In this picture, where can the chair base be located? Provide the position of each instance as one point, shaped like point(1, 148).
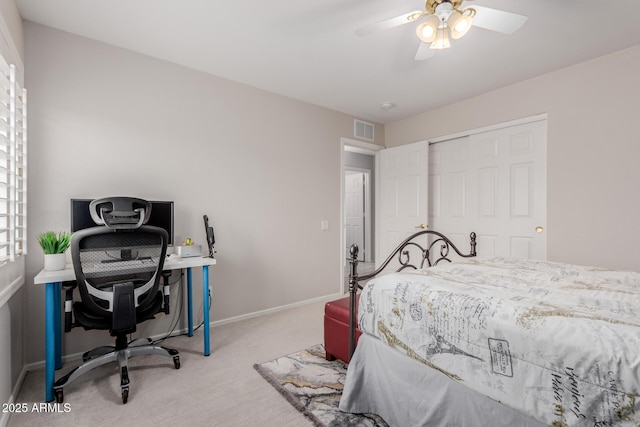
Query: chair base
point(105, 349)
point(103, 355)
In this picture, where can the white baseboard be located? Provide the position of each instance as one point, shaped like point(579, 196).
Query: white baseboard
point(77, 356)
point(276, 309)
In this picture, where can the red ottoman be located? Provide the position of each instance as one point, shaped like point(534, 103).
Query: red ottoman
point(336, 328)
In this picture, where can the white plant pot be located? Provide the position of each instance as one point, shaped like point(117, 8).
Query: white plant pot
point(53, 262)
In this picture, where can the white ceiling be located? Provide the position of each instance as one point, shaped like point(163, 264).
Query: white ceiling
point(309, 51)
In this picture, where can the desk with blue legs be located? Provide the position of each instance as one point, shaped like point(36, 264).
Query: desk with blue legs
point(53, 310)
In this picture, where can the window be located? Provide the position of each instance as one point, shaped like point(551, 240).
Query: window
point(13, 163)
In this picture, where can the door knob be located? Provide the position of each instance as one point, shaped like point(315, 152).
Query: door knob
point(539, 229)
point(421, 226)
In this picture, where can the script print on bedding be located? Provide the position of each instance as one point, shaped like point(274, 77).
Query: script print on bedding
point(558, 342)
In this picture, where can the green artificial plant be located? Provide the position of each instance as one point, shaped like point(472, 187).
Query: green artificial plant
point(54, 243)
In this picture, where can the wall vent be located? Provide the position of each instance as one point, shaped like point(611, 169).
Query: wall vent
point(363, 130)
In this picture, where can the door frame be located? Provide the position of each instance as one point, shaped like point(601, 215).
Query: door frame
point(501, 125)
point(347, 144)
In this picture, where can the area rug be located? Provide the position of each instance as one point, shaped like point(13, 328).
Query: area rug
point(313, 386)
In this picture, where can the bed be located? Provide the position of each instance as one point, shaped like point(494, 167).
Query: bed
point(493, 342)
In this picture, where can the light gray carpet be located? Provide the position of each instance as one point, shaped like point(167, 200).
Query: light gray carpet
point(314, 386)
point(222, 389)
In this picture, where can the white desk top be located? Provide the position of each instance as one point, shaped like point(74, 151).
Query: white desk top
point(170, 264)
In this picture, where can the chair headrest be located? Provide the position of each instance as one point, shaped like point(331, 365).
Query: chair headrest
point(120, 213)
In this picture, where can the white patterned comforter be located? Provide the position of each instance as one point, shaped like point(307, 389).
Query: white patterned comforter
point(558, 342)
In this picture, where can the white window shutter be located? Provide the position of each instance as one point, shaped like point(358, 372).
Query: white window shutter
point(13, 161)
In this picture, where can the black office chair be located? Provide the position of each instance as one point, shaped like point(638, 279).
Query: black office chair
point(118, 266)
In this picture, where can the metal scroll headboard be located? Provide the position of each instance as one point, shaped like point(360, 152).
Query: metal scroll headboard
point(441, 247)
point(441, 243)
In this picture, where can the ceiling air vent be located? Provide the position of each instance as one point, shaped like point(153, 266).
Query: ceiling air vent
point(363, 130)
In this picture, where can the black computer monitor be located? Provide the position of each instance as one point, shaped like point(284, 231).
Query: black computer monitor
point(161, 216)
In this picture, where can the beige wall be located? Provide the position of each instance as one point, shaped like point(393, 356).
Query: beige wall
point(593, 152)
point(263, 167)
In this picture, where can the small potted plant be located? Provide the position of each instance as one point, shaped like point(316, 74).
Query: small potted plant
point(54, 246)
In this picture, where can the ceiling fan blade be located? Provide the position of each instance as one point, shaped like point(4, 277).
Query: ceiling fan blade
point(498, 20)
point(388, 23)
point(424, 52)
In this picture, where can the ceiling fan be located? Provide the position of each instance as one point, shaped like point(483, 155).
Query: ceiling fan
point(444, 18)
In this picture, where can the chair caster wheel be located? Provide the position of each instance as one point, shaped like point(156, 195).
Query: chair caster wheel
point(59, 395)
point(176, 362)
point(125, 395)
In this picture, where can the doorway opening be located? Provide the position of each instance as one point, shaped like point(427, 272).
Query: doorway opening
point(357, 205)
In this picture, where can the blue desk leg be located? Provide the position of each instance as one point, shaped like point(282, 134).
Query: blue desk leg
point(189, 303)
point(205, 299)
point(57, 301)
point(52, 337)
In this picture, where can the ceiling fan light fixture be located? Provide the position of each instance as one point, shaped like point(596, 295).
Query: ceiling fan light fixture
point(427, 31)
point(442, 40)
point(443, 18)
point(459, 23)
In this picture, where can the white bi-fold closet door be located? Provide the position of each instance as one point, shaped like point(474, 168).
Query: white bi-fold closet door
point(495, 184)
point(491, 182)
